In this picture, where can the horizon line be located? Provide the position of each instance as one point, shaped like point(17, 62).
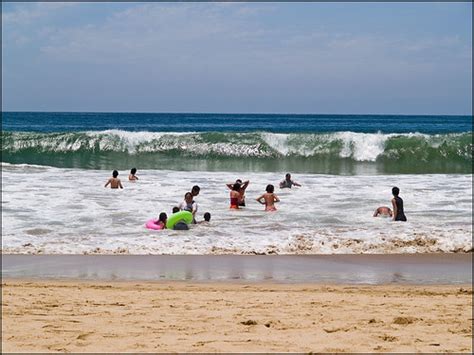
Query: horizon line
point(240, 113)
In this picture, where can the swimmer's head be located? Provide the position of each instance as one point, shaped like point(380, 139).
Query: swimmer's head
point(395, 191)
point(163, 217)
point(115, 173)
point(238, 181)
point(188, 197)
point(133, 171)
point(236, 187)
point(175, 209)
point(270, 188)
point(207, 216)
point(288, 176)
point(195, 190)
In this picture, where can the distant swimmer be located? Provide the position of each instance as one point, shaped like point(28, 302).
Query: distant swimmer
point(243, 187)
point(235, 196)
point(383, 211)
point(269, 199)
point(288, 183)
point(397, 204)
point(114, 181)
point(132, 176)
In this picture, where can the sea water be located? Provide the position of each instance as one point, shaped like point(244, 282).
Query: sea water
point(55, 165)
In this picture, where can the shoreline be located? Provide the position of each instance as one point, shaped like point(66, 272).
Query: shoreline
point(131, 316)
point(372, 269)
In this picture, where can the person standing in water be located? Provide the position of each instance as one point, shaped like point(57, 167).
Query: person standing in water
point(243, 187)
point(235, 196)
point(132, 176)
point(269, 199)
point(397, 204)
point(288, 183)
point(114, 182)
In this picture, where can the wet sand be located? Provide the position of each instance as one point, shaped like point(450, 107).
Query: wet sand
point(374, 269)
point(131, 316)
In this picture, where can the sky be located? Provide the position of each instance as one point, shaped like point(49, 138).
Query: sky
point(337, 58)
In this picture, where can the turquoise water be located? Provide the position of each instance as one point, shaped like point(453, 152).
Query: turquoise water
point(332, 144)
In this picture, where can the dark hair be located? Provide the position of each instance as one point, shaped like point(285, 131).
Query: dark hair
point(395, 191)
point(238, 181)
point(163, 217)
point(236, 187)
point(188, 193)
point(195, 189)
point(175, 209)
point(207, 216)
point(270, 188)
point(115, 173)
point(133, 171)
point(288, 175)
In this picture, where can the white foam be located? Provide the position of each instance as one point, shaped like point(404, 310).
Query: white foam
point(69, 211)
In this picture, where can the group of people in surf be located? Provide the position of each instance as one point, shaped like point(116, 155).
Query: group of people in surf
point(268, 198)
point(237, 199)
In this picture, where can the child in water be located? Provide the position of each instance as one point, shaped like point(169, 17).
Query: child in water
point(162, 220)
point(114, 181)
point(207, 218)
point(131, 176)
point(269, 199)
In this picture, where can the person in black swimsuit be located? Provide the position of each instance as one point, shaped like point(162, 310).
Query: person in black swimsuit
point(397, 203)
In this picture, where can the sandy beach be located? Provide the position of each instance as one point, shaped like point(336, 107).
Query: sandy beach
point(128, 316)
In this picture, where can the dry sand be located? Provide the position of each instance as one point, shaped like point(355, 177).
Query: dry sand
point(80, 316)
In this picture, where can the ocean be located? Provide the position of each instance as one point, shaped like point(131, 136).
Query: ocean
point(55, 165)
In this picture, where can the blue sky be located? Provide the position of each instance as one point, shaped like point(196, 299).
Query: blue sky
point(406, 58)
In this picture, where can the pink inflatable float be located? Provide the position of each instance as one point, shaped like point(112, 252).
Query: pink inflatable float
point(151, 224)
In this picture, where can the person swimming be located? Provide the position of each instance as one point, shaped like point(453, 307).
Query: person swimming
point(269, 198)
point(207, 218)
point(383, 211)
point(397, 204)
point(114, 182)
point(288, 183)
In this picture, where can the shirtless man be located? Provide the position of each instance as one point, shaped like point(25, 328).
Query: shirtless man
point(114, 182)
point(383, 211)
point(269, 199)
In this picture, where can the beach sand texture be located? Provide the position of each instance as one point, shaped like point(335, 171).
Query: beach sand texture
point(80, 316)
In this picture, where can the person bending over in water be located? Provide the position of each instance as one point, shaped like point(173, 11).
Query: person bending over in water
point(243, 187)
point(131, 176)
point(397, 204)
point(383, 211)
point(288, 183)
point(114, 182)
point(269, 198)
point(235, 196)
